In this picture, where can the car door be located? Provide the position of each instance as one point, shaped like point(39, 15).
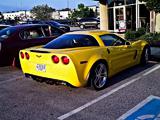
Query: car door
point(120, 55)
point(33, 36)
point(9, 46)
point(125, 46)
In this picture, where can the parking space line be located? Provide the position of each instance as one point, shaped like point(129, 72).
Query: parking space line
point(62, 117)
point(12, 79)
point(152, 70)
point(96, 100)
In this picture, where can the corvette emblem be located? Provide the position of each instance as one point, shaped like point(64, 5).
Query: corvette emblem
point(38, 56)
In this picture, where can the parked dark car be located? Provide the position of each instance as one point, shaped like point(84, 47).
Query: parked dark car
point(8, 22)
point(3, 26)
point(63, 27)
point(15, 38)
point(89, 22)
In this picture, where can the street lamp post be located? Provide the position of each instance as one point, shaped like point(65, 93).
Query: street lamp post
point(67, 3)
point(68, 7)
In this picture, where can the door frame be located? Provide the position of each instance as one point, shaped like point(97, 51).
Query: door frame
point(114, 15)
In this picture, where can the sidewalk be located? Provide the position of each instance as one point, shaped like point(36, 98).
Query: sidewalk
point(155, 52)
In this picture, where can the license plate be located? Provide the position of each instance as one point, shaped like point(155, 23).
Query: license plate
point(41, 67)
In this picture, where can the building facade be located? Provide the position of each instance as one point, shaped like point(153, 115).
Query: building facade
point(22, 15)
point(25, 15)
point(127, 14)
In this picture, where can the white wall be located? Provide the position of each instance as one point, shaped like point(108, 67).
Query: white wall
point(157, 23)
point(21, 14)
point(64, 14)
point(56, 15)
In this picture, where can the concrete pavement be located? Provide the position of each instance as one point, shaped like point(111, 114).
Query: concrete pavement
point(25, 99)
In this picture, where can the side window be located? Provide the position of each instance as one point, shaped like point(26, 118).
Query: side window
point(84, 42)
point(108, 40)
point(119, 41)
point(46, 31)
point(112, 40)
point(55, 31)
point(32, 33)
point(89, 41)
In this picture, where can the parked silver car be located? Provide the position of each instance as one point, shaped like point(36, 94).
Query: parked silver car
point(89, 22)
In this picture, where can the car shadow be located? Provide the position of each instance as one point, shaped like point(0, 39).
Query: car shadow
point(156, 58)
point(130, 72)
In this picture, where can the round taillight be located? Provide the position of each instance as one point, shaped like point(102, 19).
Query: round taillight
point(55, 59)
point(27, 55)
point(65, 60)
point(22, 55)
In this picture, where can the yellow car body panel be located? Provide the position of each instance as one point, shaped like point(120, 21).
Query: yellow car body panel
point(82, 59)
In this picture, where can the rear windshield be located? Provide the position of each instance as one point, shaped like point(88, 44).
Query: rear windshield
point(6, 33)
point(71, 41)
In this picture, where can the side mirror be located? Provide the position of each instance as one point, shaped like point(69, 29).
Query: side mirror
point(128, 43)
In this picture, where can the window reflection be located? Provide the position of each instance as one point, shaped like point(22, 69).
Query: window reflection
point(112, 3)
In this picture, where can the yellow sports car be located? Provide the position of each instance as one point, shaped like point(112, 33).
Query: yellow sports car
point(83, 58)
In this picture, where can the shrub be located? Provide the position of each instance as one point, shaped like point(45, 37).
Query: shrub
point(132, 35)
point(140, 32)
point(152, 38)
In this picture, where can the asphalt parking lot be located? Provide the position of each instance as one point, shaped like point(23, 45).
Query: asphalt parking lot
point(24, 99)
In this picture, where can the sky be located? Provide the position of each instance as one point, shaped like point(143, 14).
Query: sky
point(14, 5)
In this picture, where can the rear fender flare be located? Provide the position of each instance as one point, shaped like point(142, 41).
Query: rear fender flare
point(93, 60)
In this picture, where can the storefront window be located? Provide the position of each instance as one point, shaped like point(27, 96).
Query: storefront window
point(144, 19)
point(119, 2)
point(124, 11)
point(131, 17)
point(111, 19)
point(130, 1)
point(110, 3)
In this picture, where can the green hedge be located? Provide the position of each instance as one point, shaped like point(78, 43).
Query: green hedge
point(133, 35)
point(140, 34)
point(152, 38)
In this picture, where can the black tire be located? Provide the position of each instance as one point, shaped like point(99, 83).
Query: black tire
point(145, 55)
point(98, 26)
point(68, 29)
point(98, 78)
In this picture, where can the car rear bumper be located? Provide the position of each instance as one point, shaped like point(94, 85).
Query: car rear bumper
point(64, 75)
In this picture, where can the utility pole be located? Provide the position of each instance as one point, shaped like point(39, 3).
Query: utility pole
point(21, 5)
point(68, 7)
point(67, 3)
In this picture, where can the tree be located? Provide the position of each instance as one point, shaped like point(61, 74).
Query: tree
point(82, 12)
point(42, 12)
point(66, 9)
point(152, 5)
